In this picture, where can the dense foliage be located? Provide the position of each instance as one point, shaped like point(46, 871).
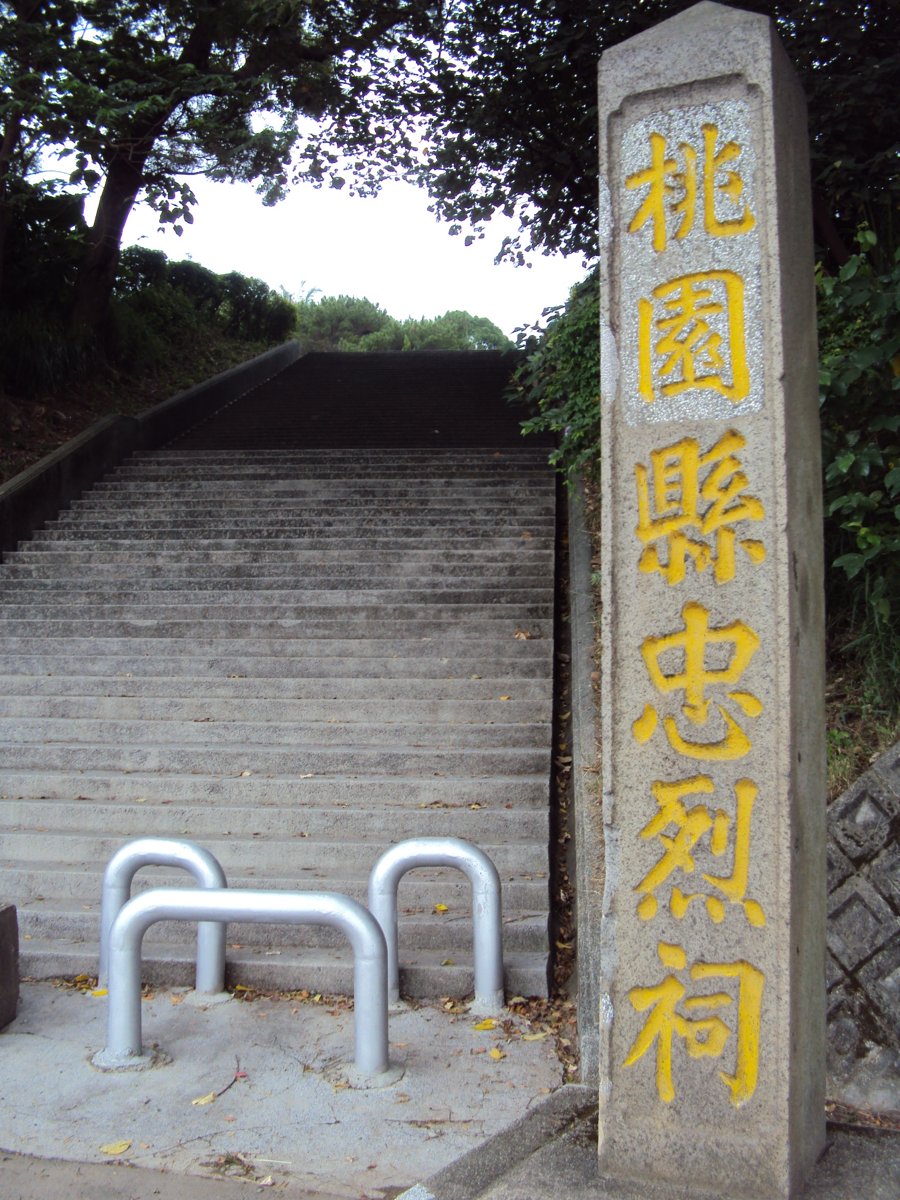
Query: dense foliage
point(859, 344)
point(560, 380)
point(140, 94)
point(511, 114)
point(859, 349)
point(157, 307)
point(350, 323)
point(490, 103)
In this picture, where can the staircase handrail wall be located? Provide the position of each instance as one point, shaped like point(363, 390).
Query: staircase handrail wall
point(40, 492)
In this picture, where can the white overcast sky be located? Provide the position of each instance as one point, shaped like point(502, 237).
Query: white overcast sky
point(389, 249)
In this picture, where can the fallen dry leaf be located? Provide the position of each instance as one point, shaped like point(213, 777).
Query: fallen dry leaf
point(534, 1037)
point(207, 1099)
point(114, 1148)
point(487, 1023)
point(496, 1053)
point(441, 908)
point(100, 992)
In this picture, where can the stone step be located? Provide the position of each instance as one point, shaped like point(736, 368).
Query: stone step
point(420, 889)
point(419, 930)
point(444, 794)
point(301, 857)
point(378, 531)
point(100, 509)
point(43, 598)
point(318, 689)
point(515, 452)
point(212, 618)
point(280, 522)
point(337, 575)
point(298, 736)
point(298, 760)
point(388, 467)
point(295, 657)
point(423, 973)
point(397, 713)
point(71, 656)
point(458, 650)
point(337, 480)
point(158, 815)
point(309, 556)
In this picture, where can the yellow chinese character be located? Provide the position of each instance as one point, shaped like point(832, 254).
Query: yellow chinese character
point(672, 189)
point(694, 324)
point(691, 644)
point(732, 186)
point(690, 826)
point(704, 1036)
point(700, 493)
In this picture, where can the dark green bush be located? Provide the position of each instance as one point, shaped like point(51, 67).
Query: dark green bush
point(253, 312)
point(140, 267)
point(859, 354)
point(560, 379)
point(859, 379)
point(205, 288)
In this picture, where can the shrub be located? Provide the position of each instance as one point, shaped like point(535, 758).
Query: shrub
point(560, 379)
point(859, 380)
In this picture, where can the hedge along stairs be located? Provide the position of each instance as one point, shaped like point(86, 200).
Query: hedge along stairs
point(316, 624)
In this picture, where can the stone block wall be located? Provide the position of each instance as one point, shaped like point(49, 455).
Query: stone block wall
point(863, 938)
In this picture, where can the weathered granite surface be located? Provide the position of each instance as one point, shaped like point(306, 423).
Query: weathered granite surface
point(863, 939)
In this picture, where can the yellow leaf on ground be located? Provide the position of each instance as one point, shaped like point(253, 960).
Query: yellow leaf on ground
point(496, 1053)
point(441, 908)
point(487, 1023)
point(447, 962)
point(207, 1099)
point(534, 1037)
point(114, 1148)
point(100, 992)
point(504, 697)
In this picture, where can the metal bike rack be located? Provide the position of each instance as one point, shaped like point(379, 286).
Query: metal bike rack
point(487, 928)
point(165, 852)
point(123, 1040)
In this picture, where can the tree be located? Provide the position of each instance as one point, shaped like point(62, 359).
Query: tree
point(145, 92)
point(216, 88)
point(351, 323)
point(34, 35)
point(510, 113)
point(339, 322)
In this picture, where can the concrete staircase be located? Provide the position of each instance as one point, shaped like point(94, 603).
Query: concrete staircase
point(295, 657)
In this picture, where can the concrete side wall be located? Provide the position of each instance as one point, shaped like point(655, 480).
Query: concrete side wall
point(37, 494)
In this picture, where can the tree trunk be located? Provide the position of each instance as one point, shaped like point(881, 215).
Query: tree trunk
point(124, 180)
point(97, 270)
point(8, 145)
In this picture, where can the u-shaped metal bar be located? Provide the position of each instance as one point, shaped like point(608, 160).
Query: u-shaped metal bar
point(123, 1042)
point(165, 852)
point(486, 915)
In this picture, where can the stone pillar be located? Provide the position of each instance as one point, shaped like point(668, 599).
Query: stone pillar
point(712, 954)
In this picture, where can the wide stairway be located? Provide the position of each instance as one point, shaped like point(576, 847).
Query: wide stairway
point(318, 624)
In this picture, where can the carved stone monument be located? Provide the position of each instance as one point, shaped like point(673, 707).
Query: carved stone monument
point(712, 1002)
